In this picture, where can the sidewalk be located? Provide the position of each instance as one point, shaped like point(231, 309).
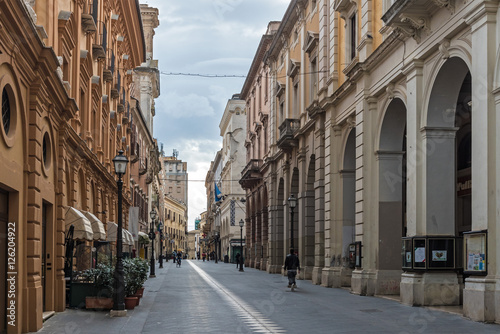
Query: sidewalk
point(205, 297)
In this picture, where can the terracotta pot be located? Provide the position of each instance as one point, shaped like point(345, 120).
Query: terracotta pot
point(138, 298)
point(98, 303)
point(130, 302)
point(140, 292)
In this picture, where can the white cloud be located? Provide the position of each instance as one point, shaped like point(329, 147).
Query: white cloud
point(186, 106)
point(206, 37)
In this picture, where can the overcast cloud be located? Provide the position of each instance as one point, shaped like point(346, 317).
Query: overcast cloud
point(215, 37)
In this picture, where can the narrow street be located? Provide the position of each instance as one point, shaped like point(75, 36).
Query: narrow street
point(205, 297)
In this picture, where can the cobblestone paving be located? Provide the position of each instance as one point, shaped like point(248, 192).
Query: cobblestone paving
point(205, 297)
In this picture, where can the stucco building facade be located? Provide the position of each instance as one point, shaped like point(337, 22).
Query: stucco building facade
point(382, 123)
point(60, 129)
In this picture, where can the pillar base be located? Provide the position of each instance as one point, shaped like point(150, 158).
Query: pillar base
point(306, 273)
point(118, 313)
point(363, 282)
point(274, 269)
point(481, 300)
point(263, 264)
point(336, 277)
point(426, 289)
point(317, 275)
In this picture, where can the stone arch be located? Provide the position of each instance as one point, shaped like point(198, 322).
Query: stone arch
point(279, 224)
point(309, 216)
point(439, 156)
point(294, 189)
point(348, 174)
point(391, 157)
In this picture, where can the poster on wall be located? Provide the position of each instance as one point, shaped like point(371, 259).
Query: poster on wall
point(475, 253)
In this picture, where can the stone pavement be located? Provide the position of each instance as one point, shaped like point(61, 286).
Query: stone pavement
point(205, 297)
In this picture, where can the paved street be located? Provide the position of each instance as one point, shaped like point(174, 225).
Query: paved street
point(204, 297)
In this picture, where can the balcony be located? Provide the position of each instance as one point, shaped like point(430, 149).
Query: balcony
point(287, 131)
point(251, 174)
point(134, 152)
point(413, 17)
point(99, 47)
point(143, 167)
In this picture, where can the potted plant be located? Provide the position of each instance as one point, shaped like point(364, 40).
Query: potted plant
point(131, 283)
point(141, 268)
point(103, 287)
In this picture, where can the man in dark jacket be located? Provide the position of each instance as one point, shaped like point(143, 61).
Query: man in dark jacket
point(292, 264)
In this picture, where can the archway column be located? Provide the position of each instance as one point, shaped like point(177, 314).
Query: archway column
point(482, 294)
point(319, 206)
point(330, 275)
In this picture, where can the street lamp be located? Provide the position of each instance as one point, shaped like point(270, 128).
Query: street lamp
point(292, 202)
point(120, 162)
point(152, 214)
point(160, 227)
point(241, 244)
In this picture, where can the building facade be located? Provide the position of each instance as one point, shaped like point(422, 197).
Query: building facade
point(255, 93)
point(370, 128)
point(60, 129)
point(144, 162)
point(175, 225)
point(229, 209)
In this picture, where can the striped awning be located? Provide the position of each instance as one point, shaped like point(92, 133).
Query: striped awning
point(82, 226)
point(127, 237)
point(97, 226)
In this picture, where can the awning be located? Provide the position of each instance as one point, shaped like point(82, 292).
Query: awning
point(82, 226)
point(126, 235)
point(97, 226)
point(143, 238)
point(129, 236)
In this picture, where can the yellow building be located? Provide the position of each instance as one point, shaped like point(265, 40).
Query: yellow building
point(175, 225)
point(65, 80)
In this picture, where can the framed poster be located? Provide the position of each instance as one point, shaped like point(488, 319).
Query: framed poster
point(475, 260)
point(419, 253)
point(441, 253)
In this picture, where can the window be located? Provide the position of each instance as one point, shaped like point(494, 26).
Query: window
point(45, 151)
point(352, 36)
point(314, 79)
point(5, 111)
point(296, 100)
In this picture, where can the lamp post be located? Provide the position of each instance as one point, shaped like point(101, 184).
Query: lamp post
point(120, 162)
point(292, 202)
point(241, 243)
point(160, 227)
point(152, 214)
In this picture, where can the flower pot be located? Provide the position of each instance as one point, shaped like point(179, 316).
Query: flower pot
point(138, 298)
point(140, 292)
point(130, 302)
point(98, 303)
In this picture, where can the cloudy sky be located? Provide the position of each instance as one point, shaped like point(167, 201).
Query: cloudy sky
point(208, 37)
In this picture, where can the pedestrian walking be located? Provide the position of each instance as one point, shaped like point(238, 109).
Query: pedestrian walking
point(238, 257)
point(292, 265)
point(203, 255)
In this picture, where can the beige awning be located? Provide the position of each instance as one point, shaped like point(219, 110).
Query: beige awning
point(130, 237)
point(97, 226)
point(82, 226)
point(143, 238)
point(127, 238)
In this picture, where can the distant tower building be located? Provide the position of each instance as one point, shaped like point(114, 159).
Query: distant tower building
point(174, 177)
